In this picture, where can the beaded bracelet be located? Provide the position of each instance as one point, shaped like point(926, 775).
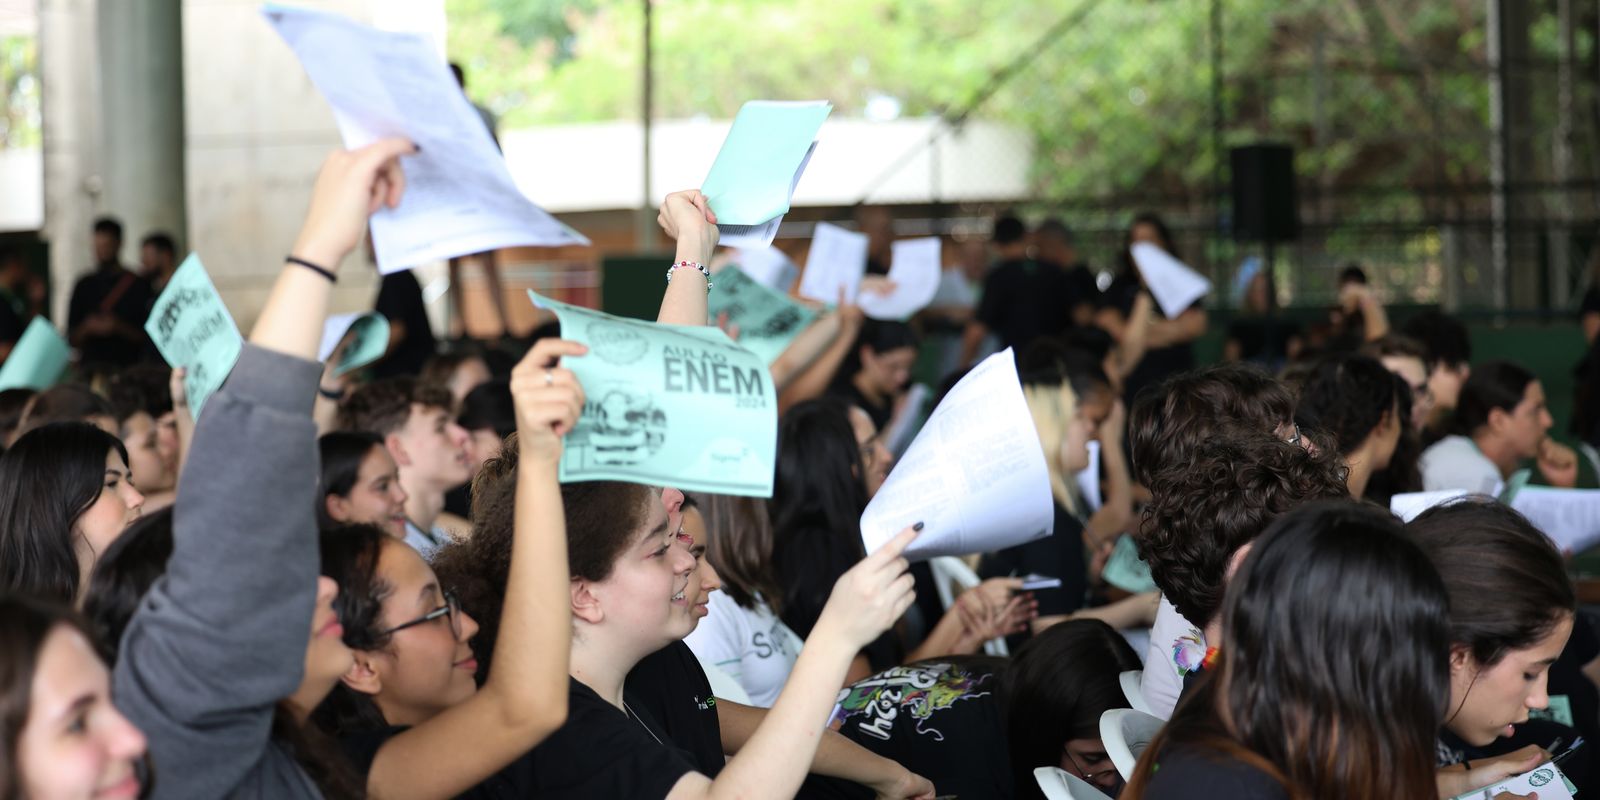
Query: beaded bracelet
point(690, 265)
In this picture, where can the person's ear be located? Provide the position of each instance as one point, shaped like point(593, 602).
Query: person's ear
point(397, 450)
point(1461, 662)
point(1236, 559)
point(362, 676)
point(338, 507)
point(585, 604)
point(1498, 419)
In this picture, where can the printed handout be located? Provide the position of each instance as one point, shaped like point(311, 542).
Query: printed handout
point(975, 475)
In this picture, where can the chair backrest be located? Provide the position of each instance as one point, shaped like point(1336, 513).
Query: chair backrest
point(949, 573)
point(1132, 681)
point(1126, 733)
point(723, 686)
point(1059, 784)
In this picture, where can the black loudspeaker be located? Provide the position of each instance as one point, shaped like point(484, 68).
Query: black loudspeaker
point(1265, 205)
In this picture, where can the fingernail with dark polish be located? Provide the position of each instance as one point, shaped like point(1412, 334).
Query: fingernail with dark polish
point(917, 527)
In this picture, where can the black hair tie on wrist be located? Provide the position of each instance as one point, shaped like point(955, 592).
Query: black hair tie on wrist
point(320, 270)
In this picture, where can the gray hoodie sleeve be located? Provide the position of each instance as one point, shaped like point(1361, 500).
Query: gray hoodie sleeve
point(222, 636)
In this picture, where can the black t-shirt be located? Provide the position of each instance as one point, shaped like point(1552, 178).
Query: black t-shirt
point(1591, 302)
point(845, 389)
point(1025, 300)
point(1059, 555)
point(400, 300)
point(512, 783)
point(1188, 773)
point(602, 752)
point(1159, 362)
point(670, 686)
point(128, 297)
point(939, 719)
point(12, 321)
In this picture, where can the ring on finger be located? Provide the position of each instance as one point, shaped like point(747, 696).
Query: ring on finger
point(549, 378)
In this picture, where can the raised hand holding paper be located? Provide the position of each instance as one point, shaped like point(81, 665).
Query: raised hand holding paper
point(369, 339)
point(915, 272)
point(760, 164)
point(668, 405)
point(193, 329)
point(37, 360)
point(837, 260)
point(975, 474)
point(460, 198)
point(1174, 285)
point(768, 321)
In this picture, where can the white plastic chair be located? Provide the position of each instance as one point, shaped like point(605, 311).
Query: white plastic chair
point(723, 686)
point(950, 572)
point(1132, 688)
point(1059, 784)
point(1126, 733)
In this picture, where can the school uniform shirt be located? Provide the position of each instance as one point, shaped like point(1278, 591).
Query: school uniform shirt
point(752, 645)
point(426, 543)
point(939, 719)
point(1177, 647)
point(1574, 699)
point(671, 689)
point(515, 782)
point(1189, 773)
point(1059, 555)
point(1455, 462)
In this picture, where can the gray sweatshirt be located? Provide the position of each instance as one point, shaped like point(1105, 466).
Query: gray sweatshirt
point(221, 638)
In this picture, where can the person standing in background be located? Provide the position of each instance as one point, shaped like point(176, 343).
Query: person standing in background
point(109, 306)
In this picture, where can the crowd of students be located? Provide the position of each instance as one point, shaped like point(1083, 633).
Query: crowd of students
point(336, 587)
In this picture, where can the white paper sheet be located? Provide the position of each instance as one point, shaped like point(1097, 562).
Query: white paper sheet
point(753, 236)
point(1173, 284)
point(1570, 517)
point(838, 259)
point(1409, 505)
point(767, 266)
point(1545, 780)
point(1089, 480)
point(915, 271)
point(459, 198)
point(975, 475)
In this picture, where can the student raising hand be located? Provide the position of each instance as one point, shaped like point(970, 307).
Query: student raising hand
point(867, 600)
point(687, 217)
point(351, 187)
point(547, 399)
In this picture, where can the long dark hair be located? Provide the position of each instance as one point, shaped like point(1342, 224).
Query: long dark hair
point(1346, 396)
point(342, 454)
point(739, 544)
point(1334, 659)
point(350, 557)
point(122, 577)
point(1508, 585)
point(1055, 689)
point(817, 500)
point(1493, 385)
point(47, 480)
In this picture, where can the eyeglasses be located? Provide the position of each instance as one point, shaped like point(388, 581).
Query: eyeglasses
point(1086, 774)
point(1294, 438)
point(451, 609)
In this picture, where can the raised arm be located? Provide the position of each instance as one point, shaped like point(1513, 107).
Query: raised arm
point(805, 349)
point(222, 636)
point(814, 380)
point(687, 217)
point(525, 697)
point(1116, 512)
point(775, 759)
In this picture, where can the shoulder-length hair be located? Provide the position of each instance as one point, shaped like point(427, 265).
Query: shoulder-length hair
point(1334, 659)
point(739, 545)
point(47, 480)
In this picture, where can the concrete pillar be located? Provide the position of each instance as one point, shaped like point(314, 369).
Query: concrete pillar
point(141, 115)
point(70, 106)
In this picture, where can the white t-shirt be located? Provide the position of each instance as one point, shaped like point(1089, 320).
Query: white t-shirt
point(1454, 462)
point(1176, 648)
point(753, 646)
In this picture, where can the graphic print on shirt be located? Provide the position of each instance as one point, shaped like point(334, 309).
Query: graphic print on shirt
point(1189, 651)
point(875, 704)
